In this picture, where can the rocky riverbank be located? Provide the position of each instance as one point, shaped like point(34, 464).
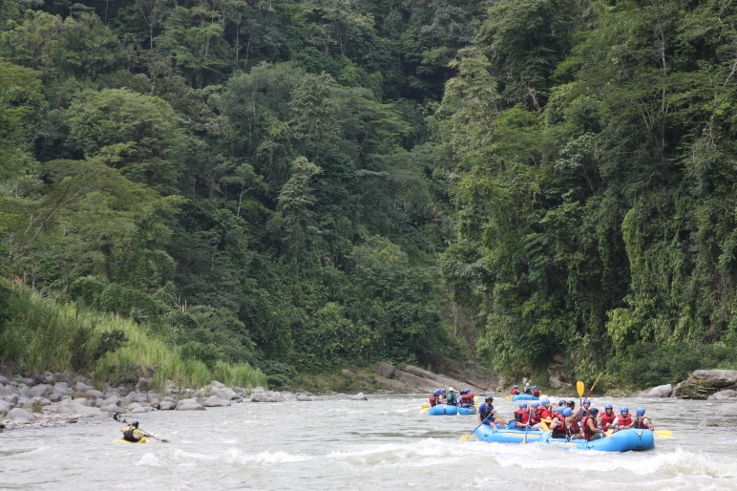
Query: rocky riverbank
point(56, 399)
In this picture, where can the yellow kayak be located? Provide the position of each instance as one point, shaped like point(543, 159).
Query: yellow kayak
point(142, 440)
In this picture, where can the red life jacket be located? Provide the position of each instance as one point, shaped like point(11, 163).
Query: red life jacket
point(607, 419)
point(536, 392)
point(468, 398)
point(432, 401)
point(588, 433)
point(575, 428)
point(639, 424)
point(543, 413)
point(515, 392)
point(623, 421)
point(560, 429)
point(524, 415)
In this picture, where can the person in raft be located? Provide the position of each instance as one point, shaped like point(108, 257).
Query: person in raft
point(624, 420)
point(521, 417)
point(515, 390)
point(608, 418)
point(434, 397)
point(641, 421)
point(590, 428)
point(487, 413)
point(131, 433)
point(535, 391)
point(467, 398)
point(451, 397)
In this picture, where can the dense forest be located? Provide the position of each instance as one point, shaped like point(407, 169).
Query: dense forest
point(297, 186)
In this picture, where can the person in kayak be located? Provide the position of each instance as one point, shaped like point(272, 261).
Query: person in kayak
point(608, 418)
point(641, 421)
point(131, 432)
point(591, 430)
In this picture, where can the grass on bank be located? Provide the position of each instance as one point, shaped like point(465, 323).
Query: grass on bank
point(37, 334)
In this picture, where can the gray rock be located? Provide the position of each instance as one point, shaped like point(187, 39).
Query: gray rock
point(17, 414)
point(660, 391)
point(5, 406)
point(56, 396)
point(266, 396)
point(39, 390)
point(728, 410)
point(702, 383)
point(12, 398)
point(48, 377)
point(214, 401)
point(360, 397)
point(72, 408)
point(384, 369)
point(25, 380)
point(82, 401)
point(110, 408)
point(224, 393)
point(217, 384)
point(303, 396)
point(94, 393)
point(167, 405)
point(4, 380)
point(145, 408)
point(82, 387)
point(723, 395)
point(189, 405)
point(61, 387)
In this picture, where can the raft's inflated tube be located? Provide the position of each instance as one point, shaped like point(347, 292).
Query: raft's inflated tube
point(443, 410)
point(465, 411)
point(525, 397)
point(621, 441)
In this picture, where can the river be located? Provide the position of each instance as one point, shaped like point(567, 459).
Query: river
point(384, 443)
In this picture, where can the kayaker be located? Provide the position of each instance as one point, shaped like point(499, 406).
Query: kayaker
point(624, 420)
point(641, 421)
point(131, 433)
point(591, 430)
point(608, 417)
point(515, 390)
point(487, 413)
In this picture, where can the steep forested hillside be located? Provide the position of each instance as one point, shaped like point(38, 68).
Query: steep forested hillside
point(302, 185)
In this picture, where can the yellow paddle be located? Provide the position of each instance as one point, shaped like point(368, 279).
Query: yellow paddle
point(664, 433)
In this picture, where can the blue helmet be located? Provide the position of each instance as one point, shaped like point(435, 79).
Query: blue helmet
point(624, 409)
point(593, 411)
point(558, 410)
point(545, 402)
point(608, 406)
point(567, 412)
point(436, 392)
point(586, 402)
point(536, 404)
point(523, 405)
point(640, 411)
point(561, 403)
point(515, 386)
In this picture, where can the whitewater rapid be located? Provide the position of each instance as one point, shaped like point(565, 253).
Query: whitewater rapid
point(338, 443)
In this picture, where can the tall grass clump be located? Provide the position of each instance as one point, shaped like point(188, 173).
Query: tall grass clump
point(38, 334)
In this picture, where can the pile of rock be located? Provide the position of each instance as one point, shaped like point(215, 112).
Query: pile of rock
point(54, 399)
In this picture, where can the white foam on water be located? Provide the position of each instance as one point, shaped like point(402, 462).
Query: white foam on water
point(236, 456)
point(149, 459)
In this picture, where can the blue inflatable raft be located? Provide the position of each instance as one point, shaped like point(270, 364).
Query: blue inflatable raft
point(448, 410)
point(443, 410)
point(525, 397)
point(621, 441)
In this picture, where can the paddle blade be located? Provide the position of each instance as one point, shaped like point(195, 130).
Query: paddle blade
point(664, 433)
point(426, 406)
point(579, 388)
point(424, 410)
point(466, 437)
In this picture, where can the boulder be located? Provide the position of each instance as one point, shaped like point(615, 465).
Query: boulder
point(384, 369)
point(215, 401)
point(167, 404)
point(94, 393)
point(71, 407)
point(224, 393)
point(266, 396)
point(5, 406)
point(12, 398)
point(61, 387)
point(728, 411)
point(39, 390)
point(189, 405)
point(723, 395)
point(48, 377)
point(702, 383)
point(140, 409)
point(82, 387)
point(216, 384)
point(18, 414)
point(4, 380)
point(660, 391)
point(360, 397)
point(302, 396)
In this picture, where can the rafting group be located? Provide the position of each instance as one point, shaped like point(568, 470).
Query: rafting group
point(565, 420)
point(465, 398)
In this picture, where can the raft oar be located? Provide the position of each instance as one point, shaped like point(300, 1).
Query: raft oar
point(467, 436)
point(116, 417)
point(664, 433)
point(592, 387)
point(579, 389)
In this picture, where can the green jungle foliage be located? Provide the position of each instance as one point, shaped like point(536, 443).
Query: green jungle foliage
point(301, 186)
